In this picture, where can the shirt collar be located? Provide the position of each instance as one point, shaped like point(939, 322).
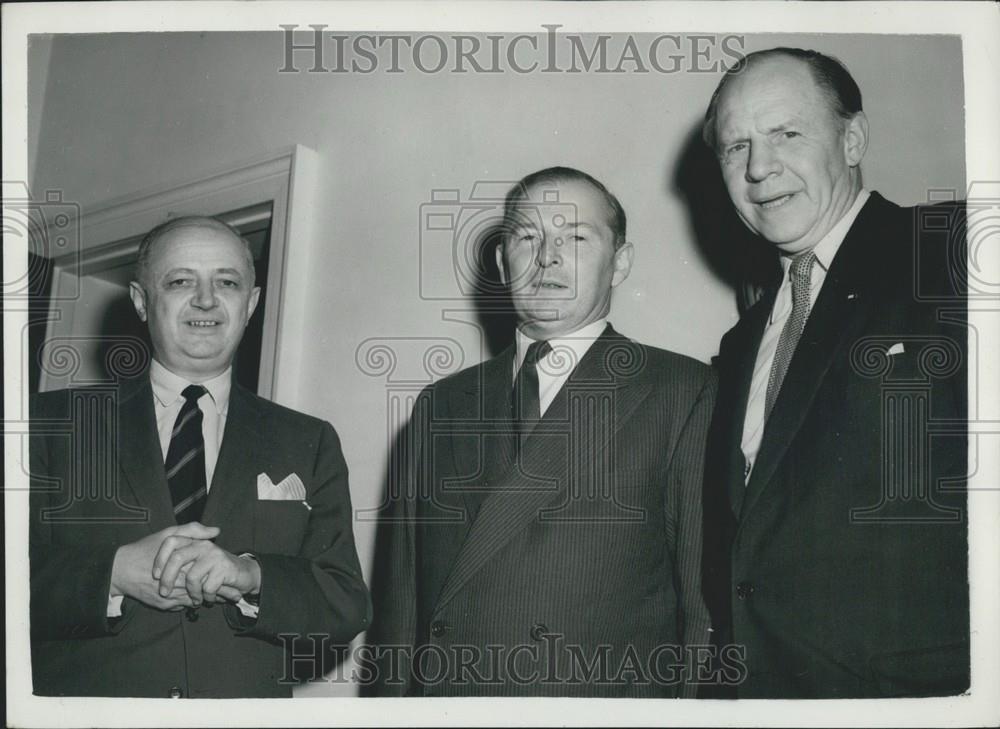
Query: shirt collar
point(829, 244)
point(579, 341)
point(167, 386)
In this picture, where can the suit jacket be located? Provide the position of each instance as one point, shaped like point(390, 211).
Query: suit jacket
point(98, 482)
point(581, 551)
point(840, 568)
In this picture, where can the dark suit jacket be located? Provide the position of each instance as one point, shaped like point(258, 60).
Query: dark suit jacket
point(590, 547)
point(841, 567)
point(98, 482)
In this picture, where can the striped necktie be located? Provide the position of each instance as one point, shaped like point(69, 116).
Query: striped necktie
point(800, 273)
point(185, 464)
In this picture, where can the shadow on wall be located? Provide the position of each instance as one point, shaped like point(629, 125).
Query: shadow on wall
point(497, 322)
point(491, 296)
point(741, 259)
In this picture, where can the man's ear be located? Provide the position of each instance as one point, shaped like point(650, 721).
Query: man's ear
point(252, 303)
point(498, 252)
point(138, 296)
point(856, 139)
point(623, 263)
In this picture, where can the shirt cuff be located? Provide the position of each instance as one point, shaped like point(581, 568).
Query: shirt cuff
point(115, 606)
point(249, 609)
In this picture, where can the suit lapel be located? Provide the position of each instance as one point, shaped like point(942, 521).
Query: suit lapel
point(518, 497)
point(485, 402)
point(742, 366)
point(841, 308)
point(234, 483)
point(139, 453)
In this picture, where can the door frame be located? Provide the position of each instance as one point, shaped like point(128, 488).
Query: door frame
point(110, 233)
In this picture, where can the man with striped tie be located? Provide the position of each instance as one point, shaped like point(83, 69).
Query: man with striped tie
point(835, 535)
point(187, 535)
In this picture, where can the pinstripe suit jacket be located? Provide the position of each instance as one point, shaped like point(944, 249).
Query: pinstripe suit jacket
point(551, 572)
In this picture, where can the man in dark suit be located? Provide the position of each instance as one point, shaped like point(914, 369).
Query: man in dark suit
point(835, 536)
point(187, 536)
point(544, 539)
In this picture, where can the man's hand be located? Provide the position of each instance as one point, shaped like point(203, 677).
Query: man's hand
point(132, 570)
point(207, 571)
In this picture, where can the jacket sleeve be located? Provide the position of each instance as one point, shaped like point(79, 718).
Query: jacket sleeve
point(70, 581)
point(394, 583)
point(684, 521)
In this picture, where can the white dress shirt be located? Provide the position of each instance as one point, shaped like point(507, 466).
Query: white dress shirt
point(214, 405)
point(825, 250)
point(167, 403)
point(556, 366)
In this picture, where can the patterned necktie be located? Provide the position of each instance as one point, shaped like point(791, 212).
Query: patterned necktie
point(527, 410)
point(185, 464)
point(800, 272)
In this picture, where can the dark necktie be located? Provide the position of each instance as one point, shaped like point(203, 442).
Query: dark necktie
point(527, 410)
point(800, 273)
point(185, 464)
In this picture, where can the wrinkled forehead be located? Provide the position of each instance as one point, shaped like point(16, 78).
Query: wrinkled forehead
point(560, 202)
point(769, 90)
point(198, 246)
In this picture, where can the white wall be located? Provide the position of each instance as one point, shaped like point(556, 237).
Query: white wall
point(125, 112)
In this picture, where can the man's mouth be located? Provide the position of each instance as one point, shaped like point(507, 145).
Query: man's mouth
point(203, 323)
point(775, 202)
point(552, 285)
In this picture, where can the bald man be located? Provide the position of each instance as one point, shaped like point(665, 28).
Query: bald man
point(188, 539)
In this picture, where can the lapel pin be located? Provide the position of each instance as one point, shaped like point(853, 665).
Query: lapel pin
point(851, 296)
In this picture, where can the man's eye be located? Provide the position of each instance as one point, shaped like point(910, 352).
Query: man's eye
point(790, 134)
point(528, 237)
point(175, 283)
point(735, 149)
point(228, 283)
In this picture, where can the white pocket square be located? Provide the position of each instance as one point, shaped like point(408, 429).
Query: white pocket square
point(897, 348)
point(290, 488)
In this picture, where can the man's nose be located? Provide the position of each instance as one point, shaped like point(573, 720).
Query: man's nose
point(762, 162)
point(548, 252)
point(204, 296)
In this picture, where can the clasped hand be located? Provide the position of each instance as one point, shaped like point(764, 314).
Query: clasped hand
point(180, 567)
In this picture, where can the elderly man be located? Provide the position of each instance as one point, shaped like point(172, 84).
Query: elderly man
point(835, 539)
point(187, 532)
point(545, 539)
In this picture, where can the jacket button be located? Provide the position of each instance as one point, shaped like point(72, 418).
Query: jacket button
point(191, 614)
point(744, 590)
point(437, 628)
point(538, 630)
point(175, 693)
